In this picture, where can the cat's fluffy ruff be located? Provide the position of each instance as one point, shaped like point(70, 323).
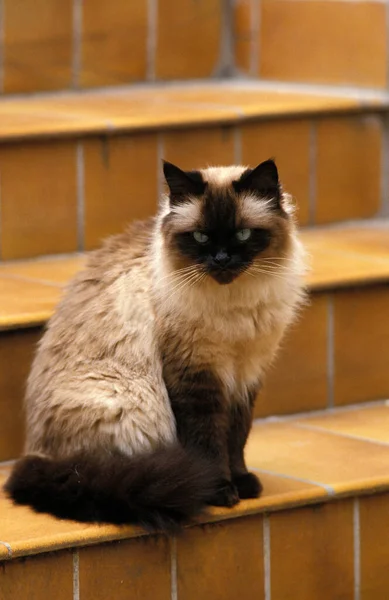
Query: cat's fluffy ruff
point(130, 343)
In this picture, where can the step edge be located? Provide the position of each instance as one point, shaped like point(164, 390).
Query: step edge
point(71, 540)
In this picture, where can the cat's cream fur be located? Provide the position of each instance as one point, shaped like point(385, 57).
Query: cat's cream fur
point(97, 382)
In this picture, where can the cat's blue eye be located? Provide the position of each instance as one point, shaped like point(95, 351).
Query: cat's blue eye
point(243, 235)
point(200, 238)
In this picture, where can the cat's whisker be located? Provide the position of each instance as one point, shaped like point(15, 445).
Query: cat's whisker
point(269, 272)
point(278, 268)
point(279, 259)
point(175, 277)
point(180, 272)
point(179, 287)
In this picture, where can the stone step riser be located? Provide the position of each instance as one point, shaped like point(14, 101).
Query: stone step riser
point(337, 549)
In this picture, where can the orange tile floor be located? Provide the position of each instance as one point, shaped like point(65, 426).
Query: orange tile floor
point(301, 460)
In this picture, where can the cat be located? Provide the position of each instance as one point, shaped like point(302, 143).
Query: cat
point(140, 398)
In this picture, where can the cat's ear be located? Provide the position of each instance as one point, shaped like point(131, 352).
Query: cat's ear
point(182, 183)
point(263, 181)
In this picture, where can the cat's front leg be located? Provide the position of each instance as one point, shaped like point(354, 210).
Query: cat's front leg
point(202, 420)
point(241, 417)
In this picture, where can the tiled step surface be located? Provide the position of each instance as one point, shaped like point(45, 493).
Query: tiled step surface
point(324, 514)
point(99, 155)
point(323, 36)
point(332, 357)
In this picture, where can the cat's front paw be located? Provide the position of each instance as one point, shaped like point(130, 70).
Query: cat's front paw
point(226, 495)
point(248, 485)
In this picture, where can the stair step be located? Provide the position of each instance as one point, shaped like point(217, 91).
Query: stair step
point(165, 106)
point(99, 155)
point(340, 257)
point(326, 485)
point(331, 357)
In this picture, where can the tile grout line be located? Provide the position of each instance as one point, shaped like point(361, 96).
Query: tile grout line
point(76, 575)
point(28, 279)
point(330, 352)
point(237, 145)
point(357, 550)
point(80, 183)
point(255, 41)
point(173, 574)
point(330, 490)
point(349, 436)
point(384, 208)
point(322, 412)
point(266, 557)
point(312, 183)
point(2, 14)
point(77, 37)
point(151, 43)
point(9, 549)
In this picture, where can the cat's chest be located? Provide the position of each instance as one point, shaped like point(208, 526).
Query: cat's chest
point(238, 349)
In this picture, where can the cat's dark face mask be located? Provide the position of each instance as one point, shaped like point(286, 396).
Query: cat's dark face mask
point(220, 239)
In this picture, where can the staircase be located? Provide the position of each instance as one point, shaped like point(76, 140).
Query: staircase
point(94, 95)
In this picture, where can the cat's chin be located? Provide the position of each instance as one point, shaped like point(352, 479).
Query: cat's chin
point(224, 277)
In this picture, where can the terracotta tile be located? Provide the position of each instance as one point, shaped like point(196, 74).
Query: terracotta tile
point(279, 492)
point(344, 256)
point(21, 119)
point(288, 143)
point(367, 240)
point(298, 380)
point(221, 562)
point(37, 45)
point(347, 254)
point(37, 577)
point(26, 302)
point(120, 184)
point(370, 422)
point(343, 463)
point(374, 547)
point(158, 106)
point(312, 553)
point(113, 46)
point(16, 352)
point(53, 270)
point(27, 533)
point(251, 101)
point(188, 40)
point(348, 168)
point(137, 569)
point(39, 199)
point(198, 148)
point(323, 36)
point(361, 332)
point(244, 34)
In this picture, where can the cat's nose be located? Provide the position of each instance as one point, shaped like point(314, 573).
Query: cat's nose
point(222, 258)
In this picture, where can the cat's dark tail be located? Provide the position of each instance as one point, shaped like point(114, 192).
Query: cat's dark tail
point(159, 491)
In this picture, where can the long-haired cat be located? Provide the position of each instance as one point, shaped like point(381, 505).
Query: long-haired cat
point(140, 397)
